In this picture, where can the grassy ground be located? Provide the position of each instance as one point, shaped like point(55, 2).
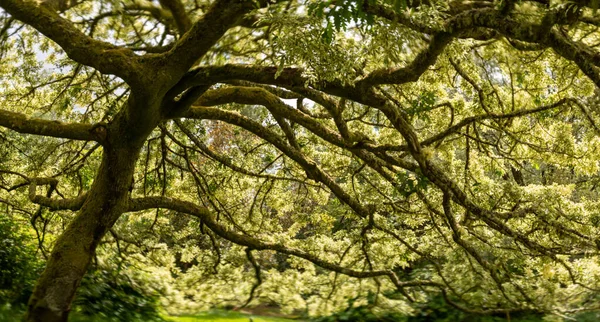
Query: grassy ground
point(8, 314)
point(225, 316)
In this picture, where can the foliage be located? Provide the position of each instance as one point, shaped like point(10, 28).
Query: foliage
point(10, 313)
point(225, 316)
point(104, 296)
point(365, 313)
point(435, 309)
point(298, 153)
point(19, 264)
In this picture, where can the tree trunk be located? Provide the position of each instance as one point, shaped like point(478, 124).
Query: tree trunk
point(74, 249)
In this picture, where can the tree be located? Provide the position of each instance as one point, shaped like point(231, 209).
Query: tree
point(442, 148)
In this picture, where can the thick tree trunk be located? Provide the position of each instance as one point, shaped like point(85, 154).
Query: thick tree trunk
point(74, 249)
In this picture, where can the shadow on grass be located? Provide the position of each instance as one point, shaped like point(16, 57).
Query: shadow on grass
point(225, 316)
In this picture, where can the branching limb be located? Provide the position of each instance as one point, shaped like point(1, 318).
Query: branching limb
point(178, 10)
point(492, 116)
point(54, 204)
point(257, 275)
point(104, 57)
point(310, 166)
point(222, 158)
point(76, 131)
point(203, 34)
point(208, 218)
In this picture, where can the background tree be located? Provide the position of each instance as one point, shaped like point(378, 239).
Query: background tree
point(426, 148)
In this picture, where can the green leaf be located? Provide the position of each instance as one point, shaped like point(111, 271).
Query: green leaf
point(400, 5)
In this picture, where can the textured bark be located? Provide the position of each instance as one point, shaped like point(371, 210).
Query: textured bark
point(164, 87)
point(24, 124)
point(178, 10)
point(102, 56)
point(51, 299)
point(150, 81)
point(105, 202)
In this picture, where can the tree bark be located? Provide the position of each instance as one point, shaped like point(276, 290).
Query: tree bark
point(74, 249)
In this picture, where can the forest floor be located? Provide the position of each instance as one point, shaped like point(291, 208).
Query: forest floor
point(8, 314)
point(226, 316)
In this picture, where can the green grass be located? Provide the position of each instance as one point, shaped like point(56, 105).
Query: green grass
point(12, 314)
point(8, 313)
point(225, 316)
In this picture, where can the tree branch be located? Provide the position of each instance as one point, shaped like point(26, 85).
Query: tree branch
point(76, 131)
point(311, 167)
point(208, 219)
point(471, 119)
point(104, 57)
point(54, 204)
point(219, 18)
point(180, 16)
point(586, 58)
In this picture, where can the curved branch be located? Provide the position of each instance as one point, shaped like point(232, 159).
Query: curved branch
point(257, 275)
point(75, 131)
point(258, 96)
point(414, 70)
point(105, 57)
point(313, 171)
point(220, 17)
point(587, 59)
point(223, 159)
point(180, 16)
point(208, 219)
point(492, 116)
point(54, 204)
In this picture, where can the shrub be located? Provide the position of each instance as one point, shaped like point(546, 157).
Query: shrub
point(363, 313)
point(115, 298)
point(19, 265)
